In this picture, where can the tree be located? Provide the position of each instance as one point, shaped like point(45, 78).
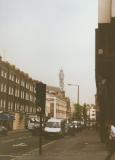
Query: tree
point(85, 114)
point(78, 112)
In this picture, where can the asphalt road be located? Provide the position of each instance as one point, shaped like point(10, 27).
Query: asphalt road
point(85, 145)
point(16, 144)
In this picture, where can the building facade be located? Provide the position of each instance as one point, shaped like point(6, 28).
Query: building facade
point(91, 114)
point(105, 65)
point(57, 105)
point(17, 96)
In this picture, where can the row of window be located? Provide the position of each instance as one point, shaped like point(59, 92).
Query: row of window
point(26, 96)
point(17, 106)
point(3, 87)
point(60, 107)
point(23, 83)
point(60, 111)
point(3, 74)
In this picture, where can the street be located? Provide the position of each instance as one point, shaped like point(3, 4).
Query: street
point(82, 146)
point(15, 144)
point(85, 145)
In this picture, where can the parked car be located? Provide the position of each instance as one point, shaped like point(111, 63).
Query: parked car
point(34, 126)
point(75, 123)
point(72, 129)
point(3, 130)
point(67, 128)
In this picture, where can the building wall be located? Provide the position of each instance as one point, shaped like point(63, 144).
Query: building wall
point(19, 122)
point(17, 93)
point(104, 11)
point(57, 105)
point(113, 8)
point(91, 112)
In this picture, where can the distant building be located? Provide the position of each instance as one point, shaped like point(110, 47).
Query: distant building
point(57, 105)
point(91, 114)
point(72, 108)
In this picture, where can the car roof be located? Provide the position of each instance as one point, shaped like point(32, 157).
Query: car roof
point(55, 120)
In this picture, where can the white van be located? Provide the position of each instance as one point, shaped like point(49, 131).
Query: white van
point(54, 127)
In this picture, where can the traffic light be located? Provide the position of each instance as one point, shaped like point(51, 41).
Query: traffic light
point(40, 97)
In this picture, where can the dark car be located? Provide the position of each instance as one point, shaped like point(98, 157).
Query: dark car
point(3, 130)
point(36, 129)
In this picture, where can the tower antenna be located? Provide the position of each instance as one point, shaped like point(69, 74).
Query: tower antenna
point(61, 79)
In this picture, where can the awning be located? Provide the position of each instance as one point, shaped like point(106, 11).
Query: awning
point(6, 117)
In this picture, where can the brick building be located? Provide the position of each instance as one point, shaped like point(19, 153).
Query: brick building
point(17, 96)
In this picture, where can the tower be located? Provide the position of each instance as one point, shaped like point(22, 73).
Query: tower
point(61, 79)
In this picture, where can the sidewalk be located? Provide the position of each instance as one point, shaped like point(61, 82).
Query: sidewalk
point(84, 145)
point(18, 131)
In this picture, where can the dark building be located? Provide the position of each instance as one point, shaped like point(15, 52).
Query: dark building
point(105, 65)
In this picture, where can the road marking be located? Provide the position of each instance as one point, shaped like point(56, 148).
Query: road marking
point(19, 145)
point(14, 157)
point(49, 143)
point(86, 143)
point(11, 156)
point(11, 140)
point(6, 156)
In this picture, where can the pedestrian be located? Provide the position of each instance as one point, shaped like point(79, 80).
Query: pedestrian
point(111, 140)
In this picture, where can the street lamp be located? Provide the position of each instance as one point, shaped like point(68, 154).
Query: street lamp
point(76, 85)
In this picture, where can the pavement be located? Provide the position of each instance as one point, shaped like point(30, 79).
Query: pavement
point(85, 145)
point(18, 131)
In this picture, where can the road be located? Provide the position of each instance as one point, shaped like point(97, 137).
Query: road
point(85, 145)
point(17, 143)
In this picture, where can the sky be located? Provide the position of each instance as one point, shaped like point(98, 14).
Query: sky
point(42, 36)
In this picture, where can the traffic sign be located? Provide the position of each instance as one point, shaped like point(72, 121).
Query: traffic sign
point(38, 109)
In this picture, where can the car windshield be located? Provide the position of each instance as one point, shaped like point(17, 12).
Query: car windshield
point(75, 123)
point(34, 121)
point(53, 124)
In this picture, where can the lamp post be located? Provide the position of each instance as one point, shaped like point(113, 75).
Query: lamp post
point(76, 85)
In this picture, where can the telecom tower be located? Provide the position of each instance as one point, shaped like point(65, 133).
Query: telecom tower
point(61, 79)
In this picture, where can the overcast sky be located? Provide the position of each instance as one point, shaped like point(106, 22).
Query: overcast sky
point(42, 36)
